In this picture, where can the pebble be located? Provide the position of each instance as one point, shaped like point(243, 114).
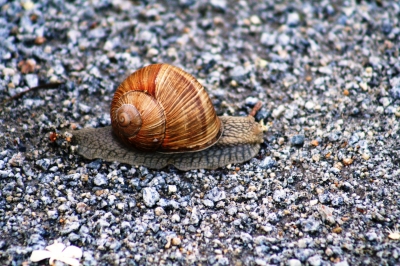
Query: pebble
point(70, 227)
point(297, 140)
point(176, 241)
point(96, 164)
point(32, 80)
point(8, 71)
point(293, 19)
point(238, 73)
point(342, 263)
point(310, 225)
point(175, 218)
point(267, 163)
point(279, 195)
point(172, 189)
point(251, 101)
point(100, 180)
point(294, 262)
point(219, 4)
point(215, 195)
point(159, 211)
point(394, 92)
point(44, 164)
point(315, 260)
point(334, 136)
point(208, 203)
point(84, 108)
point(276, 113)
point(310, 105)
point(268, 39)
point(150, 196)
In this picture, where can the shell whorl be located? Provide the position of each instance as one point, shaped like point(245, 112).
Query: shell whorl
point(129, 120)
point(175, 111)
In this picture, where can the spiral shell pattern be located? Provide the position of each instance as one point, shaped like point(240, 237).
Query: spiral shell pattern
point(161, 107)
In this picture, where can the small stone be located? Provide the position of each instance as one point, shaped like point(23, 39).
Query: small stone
point(277, 112)
point(347, 161)
point(159, 211)
point(297, 140)
point(52, 214)
point(251, 101)
point(326, 213)
point(152, 52)
point(195, 216)
point(255, 20)
point(316, 157)
point(40, 40)
point(364, 86)
point(238, 73)
point(310, 105)
point(302, 243)
point(28, 5)
point(371, 236)
point(246, 238)
point(208, 203)
point(335, 136)
point(342, 263)
point(176, 241)
point(219, 4)
point(84, 108)
point(27, 66)
point(337, 201)
point(44, 164)
point(267, 163)
point(172, 189)
point(329, 252)
point(17, 160)
point(337, 230)
point(215, 195)
point(293, 19)
point(268, 39)
point(315, 260)
point(303, 254)
point(81, 207)
point(73, 237)
point(232, 210)
point(365, 156)
point(63, 208)
point(279, 195)
point(150, 196)
point(283, 39)
point(294, 262)
point(8, 71)
point(175, 218)
point(70, 227)
point(394, 92)
point(100, 180)
point(310, 225)
point(96, 164)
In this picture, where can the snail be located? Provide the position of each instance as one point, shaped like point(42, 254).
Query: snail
point(161, 115)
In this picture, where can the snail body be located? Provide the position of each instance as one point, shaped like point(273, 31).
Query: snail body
point(162, 115)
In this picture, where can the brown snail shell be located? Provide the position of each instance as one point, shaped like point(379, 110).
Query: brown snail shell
point(161, 107)
point(162, 115)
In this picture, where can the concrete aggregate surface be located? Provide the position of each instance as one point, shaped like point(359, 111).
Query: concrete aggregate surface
point(323, 190)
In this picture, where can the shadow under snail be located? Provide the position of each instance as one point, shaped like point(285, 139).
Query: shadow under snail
point(162, 115)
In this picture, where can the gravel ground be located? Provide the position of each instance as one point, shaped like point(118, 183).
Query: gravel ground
point(323, 190)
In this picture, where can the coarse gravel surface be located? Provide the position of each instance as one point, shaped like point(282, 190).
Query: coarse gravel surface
point(323, 190)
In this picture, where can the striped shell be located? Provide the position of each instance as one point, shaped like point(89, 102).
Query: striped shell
point(161, 107)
